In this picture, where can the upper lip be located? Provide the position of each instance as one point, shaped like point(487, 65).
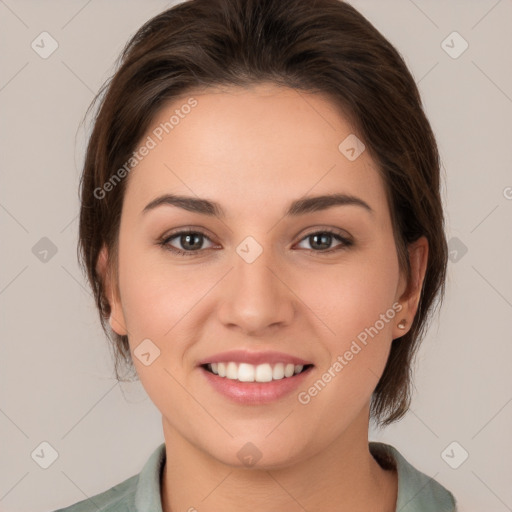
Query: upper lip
point(255, 358)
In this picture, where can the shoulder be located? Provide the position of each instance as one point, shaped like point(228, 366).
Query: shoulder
point(139, 492)
point(417, 492)
point(117, 498)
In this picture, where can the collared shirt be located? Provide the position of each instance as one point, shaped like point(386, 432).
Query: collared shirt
point(141, 493)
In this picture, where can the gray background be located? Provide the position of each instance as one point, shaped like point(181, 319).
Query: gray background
point(57, 383)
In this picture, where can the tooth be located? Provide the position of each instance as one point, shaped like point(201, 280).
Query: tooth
point(231, 371)
point(278, 371)
point(250, 373)
point(288, 370)
point(246, 372)
point(263, 373)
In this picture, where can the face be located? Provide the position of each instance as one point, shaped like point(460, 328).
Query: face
point(277, 287)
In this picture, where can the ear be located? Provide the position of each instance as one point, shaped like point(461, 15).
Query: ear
point(410, 297)
point(116, 319)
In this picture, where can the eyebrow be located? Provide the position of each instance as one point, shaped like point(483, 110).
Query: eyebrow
point(296, 208)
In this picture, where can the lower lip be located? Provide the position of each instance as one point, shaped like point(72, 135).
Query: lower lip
point(255, 393)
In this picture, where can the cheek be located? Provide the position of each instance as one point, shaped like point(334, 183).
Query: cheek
point(353, 294)
point(157, 296)
point(356, 303)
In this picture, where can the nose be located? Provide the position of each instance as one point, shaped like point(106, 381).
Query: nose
point(256, 296)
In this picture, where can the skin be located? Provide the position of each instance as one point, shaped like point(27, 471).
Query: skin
point(254, 150)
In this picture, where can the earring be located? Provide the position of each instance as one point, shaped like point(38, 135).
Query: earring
point(401, 324)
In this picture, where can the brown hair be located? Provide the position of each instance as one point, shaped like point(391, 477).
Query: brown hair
point(322, 46)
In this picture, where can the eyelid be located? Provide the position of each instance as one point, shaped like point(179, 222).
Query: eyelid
point(325, 229)
point(344, 238)
point(165, 239)
point(185, 230)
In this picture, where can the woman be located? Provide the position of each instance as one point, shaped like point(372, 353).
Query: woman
point(262, 228)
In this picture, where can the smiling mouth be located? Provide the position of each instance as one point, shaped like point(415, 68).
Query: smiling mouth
point(245, 372)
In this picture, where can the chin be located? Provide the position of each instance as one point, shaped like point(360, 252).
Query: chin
point(258, 452)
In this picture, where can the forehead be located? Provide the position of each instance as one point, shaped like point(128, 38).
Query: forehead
point(249, 147)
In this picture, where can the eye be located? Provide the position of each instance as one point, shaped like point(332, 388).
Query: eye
point(190, 241)
point(321, 240)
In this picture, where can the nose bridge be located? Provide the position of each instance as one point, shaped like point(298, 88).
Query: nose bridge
point(257, 298)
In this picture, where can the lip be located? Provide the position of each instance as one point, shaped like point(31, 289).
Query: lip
point(255, 393)
point(246, 356)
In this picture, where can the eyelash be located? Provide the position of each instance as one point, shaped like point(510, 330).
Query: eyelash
point(164, 242)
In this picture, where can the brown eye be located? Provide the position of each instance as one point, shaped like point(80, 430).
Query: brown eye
point(190, 241)
point(321, 241)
